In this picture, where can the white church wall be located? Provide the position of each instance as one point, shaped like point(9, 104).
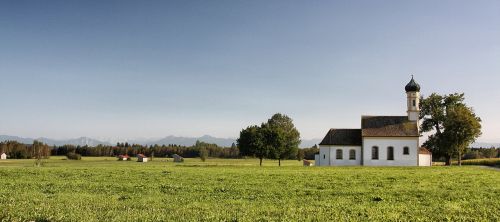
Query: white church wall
point(413, 115)
point(398, 143)
point(328, 156)
point(345, 161)
point(324, 155)
point(424, 160)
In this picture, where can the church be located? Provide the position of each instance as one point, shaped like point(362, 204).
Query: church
point(381, 141)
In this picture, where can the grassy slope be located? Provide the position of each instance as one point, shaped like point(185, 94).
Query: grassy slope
point(102, 190)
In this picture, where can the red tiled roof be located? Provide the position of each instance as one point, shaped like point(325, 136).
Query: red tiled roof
point(423, 150)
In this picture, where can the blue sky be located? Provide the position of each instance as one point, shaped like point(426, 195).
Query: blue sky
point(130, 69)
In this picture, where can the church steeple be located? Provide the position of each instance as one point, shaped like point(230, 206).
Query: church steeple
point(412, 86)
point(413, 99)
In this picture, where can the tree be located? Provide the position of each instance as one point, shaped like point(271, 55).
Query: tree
point(462, 128)
point(490, 152)
point(280, 137)
point(251, 143)
point(234, 152)
point(454, 125)
point(300, 154)
point(309, 153)
point(203, 154)
point(40, 151)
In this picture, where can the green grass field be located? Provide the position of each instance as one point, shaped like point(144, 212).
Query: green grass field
point(103, 189)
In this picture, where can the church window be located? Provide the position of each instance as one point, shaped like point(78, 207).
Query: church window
point(324, 156)
point(339, 154)
point(406, 151)
point(390, 153)
point(352, 154)
point(375, 153)
point(414, 103)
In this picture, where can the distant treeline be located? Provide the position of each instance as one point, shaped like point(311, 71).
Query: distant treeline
point(480, 153)
point(307, 153)
point(152, 150)
point(16, 150)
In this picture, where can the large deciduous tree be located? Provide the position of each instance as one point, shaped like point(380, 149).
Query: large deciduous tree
point(281, 136)
point(251, 143)
point(462, 128)
point(276, 139)
point(454, 125)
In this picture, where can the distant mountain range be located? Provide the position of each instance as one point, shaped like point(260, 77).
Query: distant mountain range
point(485, 145)
point(187, 141)
point(82, 141)
point(183, 141)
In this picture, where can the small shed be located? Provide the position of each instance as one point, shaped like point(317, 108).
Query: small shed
point(124, 157)
point(3, 156)
point(142, 158)
point(177, 158)
point(307, 162)
point(424, 157)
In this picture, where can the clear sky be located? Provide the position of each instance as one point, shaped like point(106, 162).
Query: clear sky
point(131, 69)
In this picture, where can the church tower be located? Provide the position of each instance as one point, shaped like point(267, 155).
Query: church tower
point(413, 99)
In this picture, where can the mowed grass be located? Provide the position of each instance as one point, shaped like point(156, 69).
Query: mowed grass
point(103, 189)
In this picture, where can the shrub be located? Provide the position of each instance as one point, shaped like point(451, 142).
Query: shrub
point(482, 162)
point(472, 155)
point(203, 154)
point(73, 156)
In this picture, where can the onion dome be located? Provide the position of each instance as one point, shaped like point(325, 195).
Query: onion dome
point(412, 86)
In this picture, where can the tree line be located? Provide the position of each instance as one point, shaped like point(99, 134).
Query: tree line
point(481, 153)
point(212, 150)
point(17, 150)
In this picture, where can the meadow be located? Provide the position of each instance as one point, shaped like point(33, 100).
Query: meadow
point(103, 189)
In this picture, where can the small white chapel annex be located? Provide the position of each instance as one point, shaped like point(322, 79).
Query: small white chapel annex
point(381, 141)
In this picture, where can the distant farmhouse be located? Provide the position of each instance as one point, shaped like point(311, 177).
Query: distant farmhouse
point(307, 162)
point(142, 158)
point(124, 157)
point(3, 156)
point(381, 141)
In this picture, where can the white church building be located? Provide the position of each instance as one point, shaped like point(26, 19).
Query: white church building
point(381, 141)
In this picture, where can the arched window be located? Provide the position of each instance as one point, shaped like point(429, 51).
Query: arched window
point(390, 153)
point(352, 154)
point(375, 153)
point(414, 103)
point(324, 156)
point(339, 154)
point(406, 151)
